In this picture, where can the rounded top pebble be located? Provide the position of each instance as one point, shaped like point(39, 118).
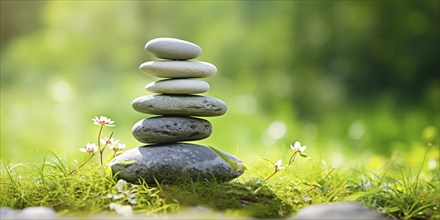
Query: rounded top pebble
point(173, 49)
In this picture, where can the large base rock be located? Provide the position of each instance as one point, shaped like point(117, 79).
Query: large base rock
point(172, 162)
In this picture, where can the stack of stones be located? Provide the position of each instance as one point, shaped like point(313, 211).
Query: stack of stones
point(167, 159)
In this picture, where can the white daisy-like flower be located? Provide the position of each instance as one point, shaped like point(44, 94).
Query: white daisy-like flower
point(297, 147)
point(101, 121)
point(278, 165)
point(108, 141)
point(117, 147)
point(89, 148)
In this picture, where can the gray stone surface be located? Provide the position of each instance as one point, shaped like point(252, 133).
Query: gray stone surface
point(342, 210)
point(190, 105)
point(169, 129)
point(172, 48)
point(171, 162)
point(178, 86)
point(178, 69)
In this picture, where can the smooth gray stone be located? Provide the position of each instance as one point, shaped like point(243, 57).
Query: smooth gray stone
point(342, 210)
point(190, 105)
point(173, 49)
point(168, 129)
point(178, 86)
point(172, 162)
point(178, 69)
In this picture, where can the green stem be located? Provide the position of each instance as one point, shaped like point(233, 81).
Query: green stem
point(292, 158)
point(271, 175)
point(99, 142)
point(79, 167)
point(99, 137)
point(101, 151)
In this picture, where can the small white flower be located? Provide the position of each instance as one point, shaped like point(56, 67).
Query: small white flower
point(89, 148)
point(108, 141)
point(278, 165)
point(101, 121)
point(297, 147)
point(117, 147)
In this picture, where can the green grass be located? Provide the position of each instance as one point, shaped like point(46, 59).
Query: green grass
point(397, 191)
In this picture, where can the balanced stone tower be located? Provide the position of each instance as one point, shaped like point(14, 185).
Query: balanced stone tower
point(166, 158)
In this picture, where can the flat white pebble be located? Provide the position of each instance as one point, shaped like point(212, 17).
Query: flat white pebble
point(172, 48)
point(178, 86)
point(36, 213)
point(178, 69)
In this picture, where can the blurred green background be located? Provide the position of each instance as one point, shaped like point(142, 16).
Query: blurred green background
point(348, 79)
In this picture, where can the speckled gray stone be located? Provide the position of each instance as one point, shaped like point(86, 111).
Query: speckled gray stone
point(169, 129)
point(178, 86)
point(171, 162)
point(178, 69)
point(172, 48)
point(190, 105)
point(342, 210)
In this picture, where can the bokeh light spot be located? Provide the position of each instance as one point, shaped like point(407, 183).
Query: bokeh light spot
point(429, 133)
point(356, 130)
point(277, 130)
point(61, 91)
point(246, 104)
